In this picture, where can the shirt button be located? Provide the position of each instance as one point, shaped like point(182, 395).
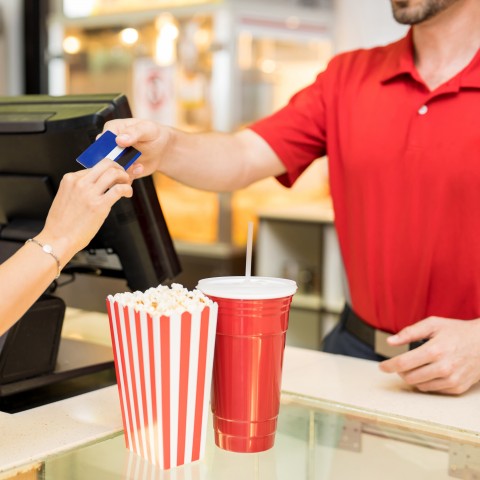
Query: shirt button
point(423, 110)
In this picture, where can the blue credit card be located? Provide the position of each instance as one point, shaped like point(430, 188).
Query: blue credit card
point(106, 147)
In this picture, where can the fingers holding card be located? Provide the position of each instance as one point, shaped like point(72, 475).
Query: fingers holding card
point(106, 147)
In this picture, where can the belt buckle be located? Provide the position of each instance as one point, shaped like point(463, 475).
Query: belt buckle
point(384, 349)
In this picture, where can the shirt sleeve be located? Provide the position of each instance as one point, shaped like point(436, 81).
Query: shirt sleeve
point(297, 132)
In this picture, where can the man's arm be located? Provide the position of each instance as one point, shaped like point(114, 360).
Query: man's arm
point(208, 161)
point(449, 362)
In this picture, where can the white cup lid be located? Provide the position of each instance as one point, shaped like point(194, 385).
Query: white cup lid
point(247, 288)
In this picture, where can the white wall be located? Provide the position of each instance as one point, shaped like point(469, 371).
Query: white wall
point(364, 23)
point(11, 40)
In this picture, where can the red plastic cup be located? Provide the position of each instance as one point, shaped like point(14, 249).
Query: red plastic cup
point(247, 368)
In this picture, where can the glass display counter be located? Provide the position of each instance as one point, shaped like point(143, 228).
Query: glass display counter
point(316, 440)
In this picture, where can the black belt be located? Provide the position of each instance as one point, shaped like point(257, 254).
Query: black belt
point(373, 337)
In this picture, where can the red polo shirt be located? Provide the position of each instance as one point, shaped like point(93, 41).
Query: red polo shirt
point(404, 167)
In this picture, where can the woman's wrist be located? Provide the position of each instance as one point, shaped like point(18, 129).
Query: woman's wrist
point(61, 247)
point(47, 249)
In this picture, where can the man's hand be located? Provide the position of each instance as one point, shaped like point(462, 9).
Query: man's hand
point(449, 362)
point(149, 137)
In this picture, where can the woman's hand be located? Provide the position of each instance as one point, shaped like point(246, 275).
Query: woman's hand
point(82, 204)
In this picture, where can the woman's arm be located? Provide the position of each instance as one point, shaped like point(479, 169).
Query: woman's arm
point(80, 207)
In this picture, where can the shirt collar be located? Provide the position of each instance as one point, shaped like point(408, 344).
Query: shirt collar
point(400, 61)
point(470, 76)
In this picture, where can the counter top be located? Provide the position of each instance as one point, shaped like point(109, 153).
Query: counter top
point(347, 384)
point(360, 387)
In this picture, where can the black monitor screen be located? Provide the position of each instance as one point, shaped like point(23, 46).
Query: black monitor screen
point(40, 138)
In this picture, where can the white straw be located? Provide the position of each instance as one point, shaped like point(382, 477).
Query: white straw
point(248, 263)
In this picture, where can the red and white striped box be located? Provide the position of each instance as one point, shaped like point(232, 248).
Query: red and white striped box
point(164, 369)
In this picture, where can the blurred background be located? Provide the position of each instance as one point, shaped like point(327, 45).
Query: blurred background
point(202, 65)
point(193, 64)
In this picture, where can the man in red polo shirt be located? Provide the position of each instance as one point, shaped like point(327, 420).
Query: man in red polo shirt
point(399, 125)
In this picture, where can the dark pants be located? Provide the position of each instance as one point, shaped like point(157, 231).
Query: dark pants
point(344, 343)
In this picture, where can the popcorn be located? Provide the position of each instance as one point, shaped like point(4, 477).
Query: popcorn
point(163, 300)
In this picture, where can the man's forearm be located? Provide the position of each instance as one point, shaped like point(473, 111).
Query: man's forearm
point(218, 161)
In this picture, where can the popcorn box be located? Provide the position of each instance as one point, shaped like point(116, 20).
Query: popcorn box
point(163, 343)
